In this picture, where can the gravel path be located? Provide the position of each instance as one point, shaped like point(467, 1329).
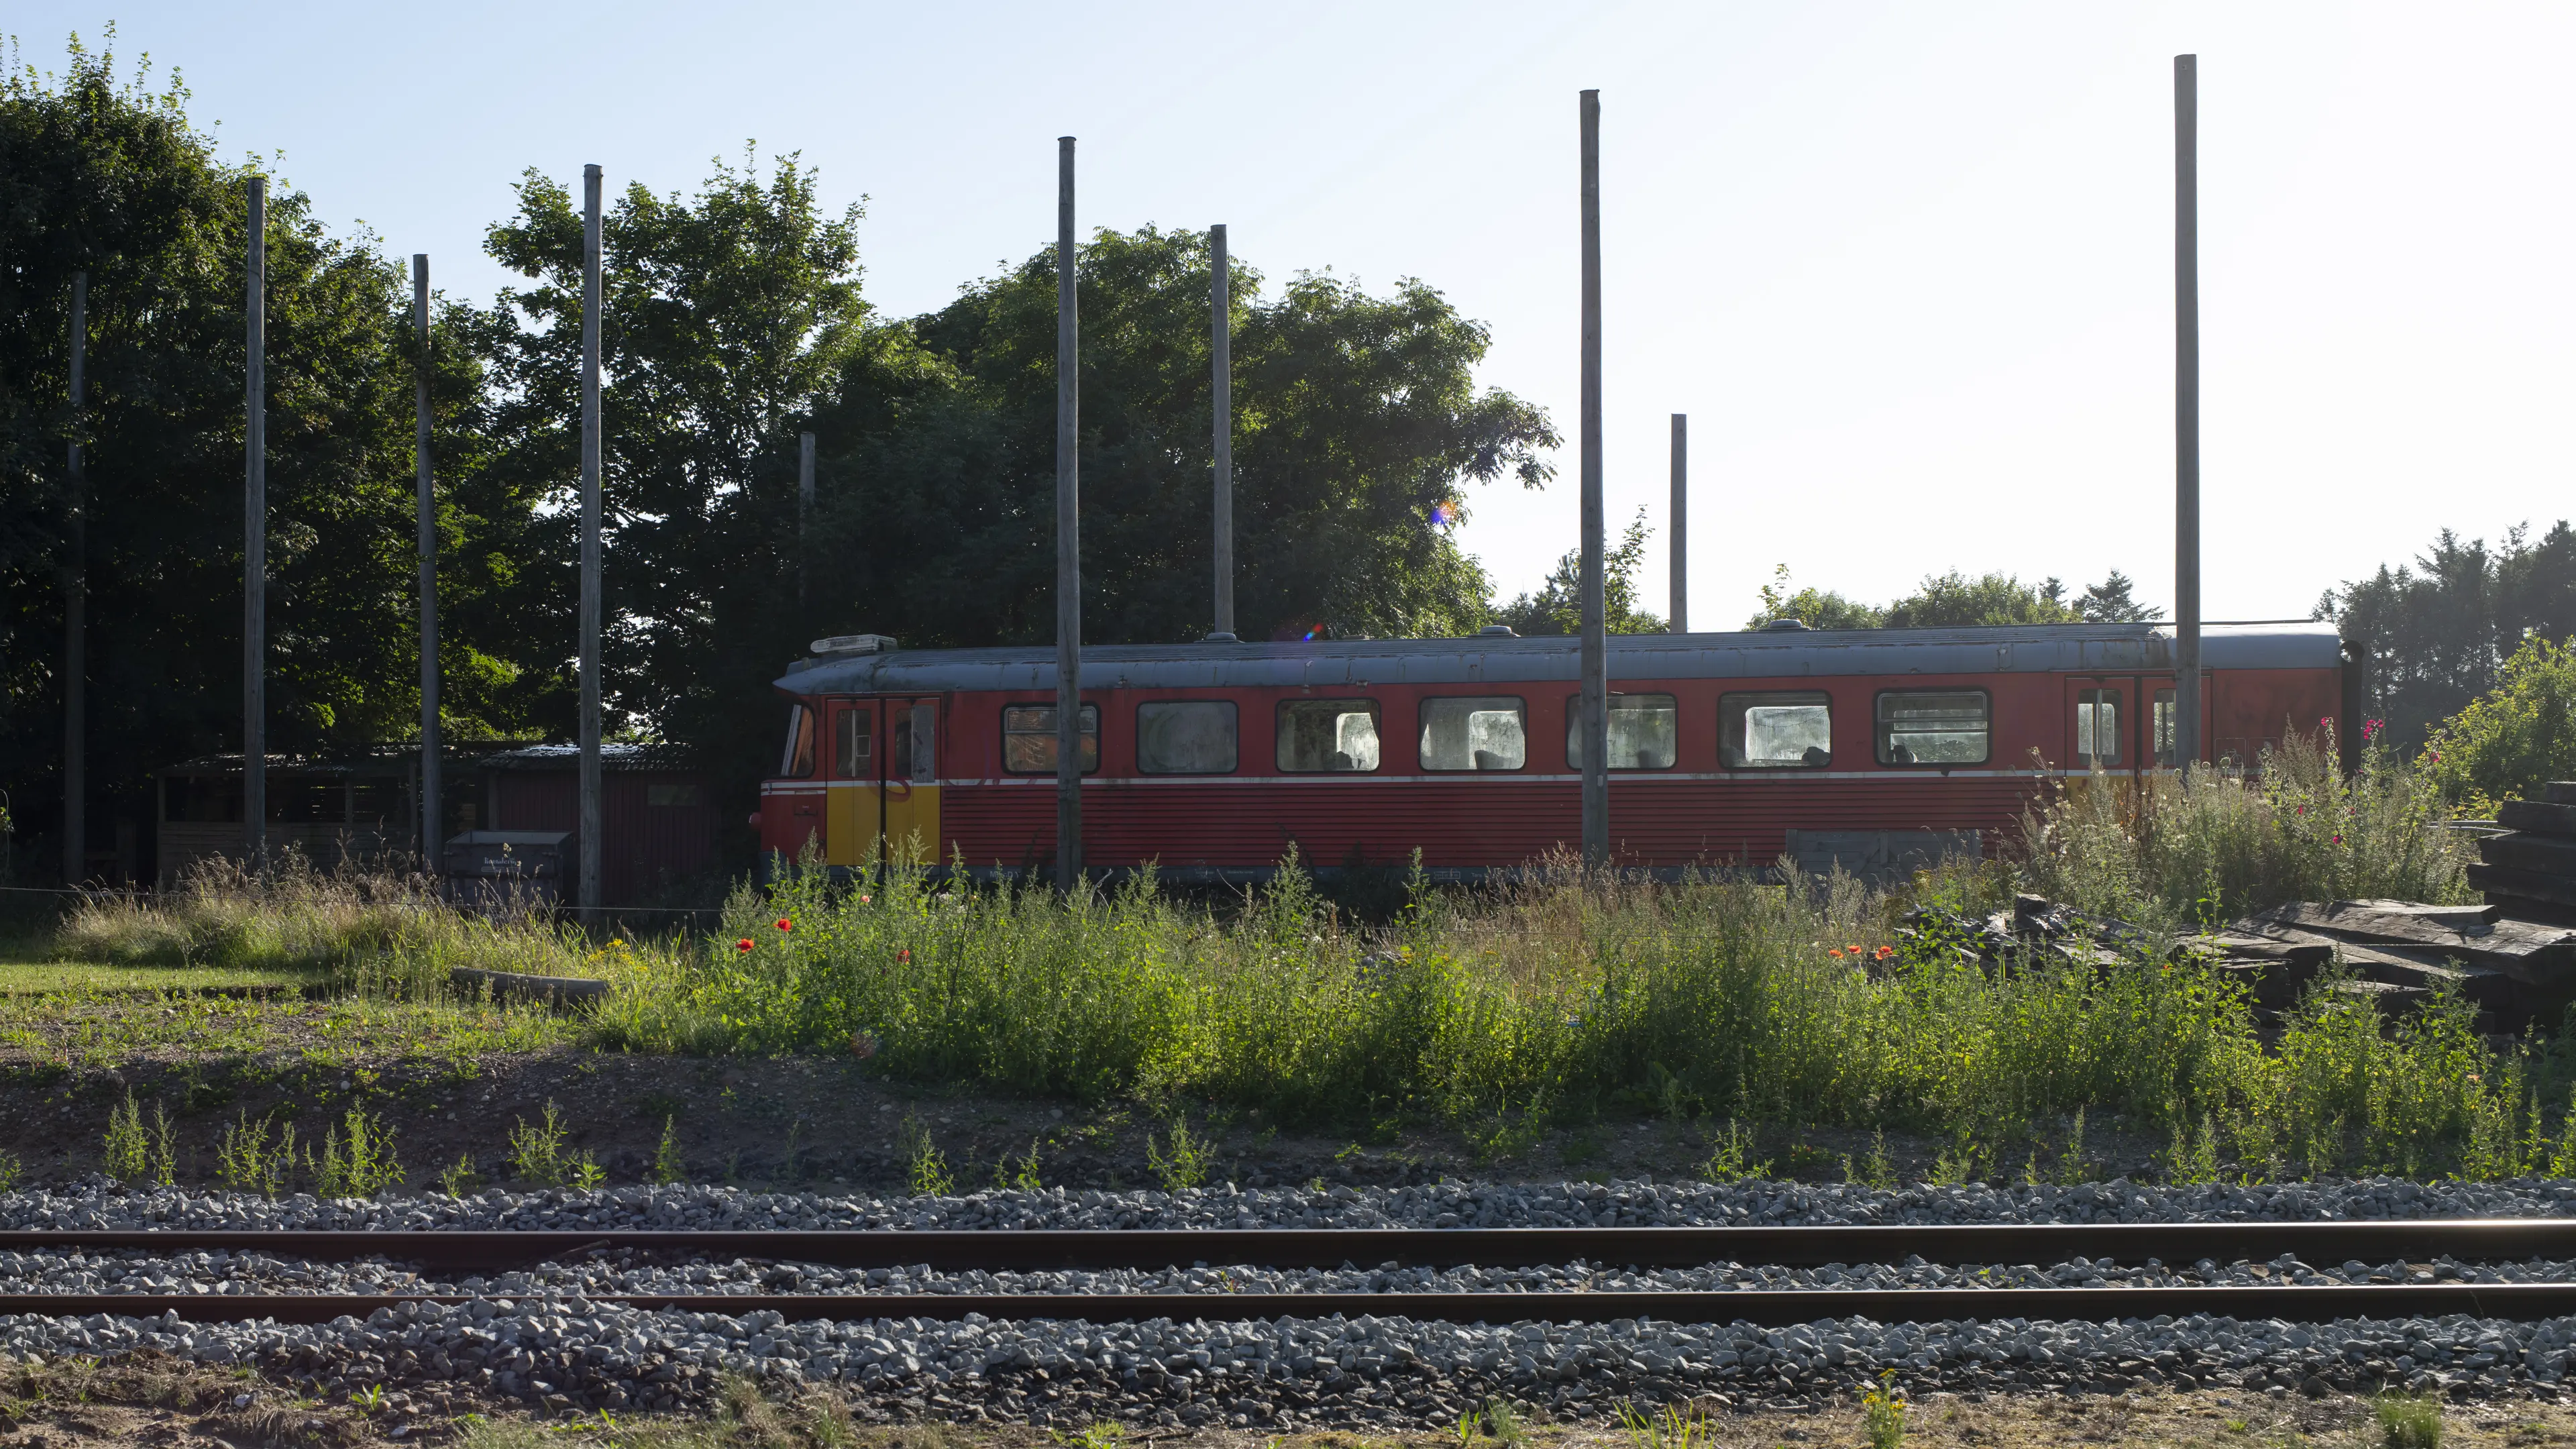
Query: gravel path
point(551, 1345)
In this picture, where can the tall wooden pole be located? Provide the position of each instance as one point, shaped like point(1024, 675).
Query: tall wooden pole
point(432, 830)
point(804, 518)
point(255, 539)
point(1068, 535)
point(1681, 523)
point(592, 845)
point(76, 609)
point(1221, 362)
point(1596, 641)
point(2187, 741)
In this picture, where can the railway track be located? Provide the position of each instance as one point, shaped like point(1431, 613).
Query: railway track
point(2501, 1240)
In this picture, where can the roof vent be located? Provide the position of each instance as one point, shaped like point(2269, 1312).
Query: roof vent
point(1497, 631)
point(1792, 622)
point(853, 644)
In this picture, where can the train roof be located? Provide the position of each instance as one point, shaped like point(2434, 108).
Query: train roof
point(1501, 659)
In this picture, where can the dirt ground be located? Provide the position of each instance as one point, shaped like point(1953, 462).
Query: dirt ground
point(156, 1402)
point(826, 1123)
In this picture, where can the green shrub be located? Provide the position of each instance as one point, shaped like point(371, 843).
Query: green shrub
point(2510, 739)
point(2175, 852)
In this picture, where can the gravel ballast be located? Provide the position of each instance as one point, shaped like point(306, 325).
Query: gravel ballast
point(537, 1335)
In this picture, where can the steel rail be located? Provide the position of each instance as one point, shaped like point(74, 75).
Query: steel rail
point(1761, 1307)
point(994, 1250)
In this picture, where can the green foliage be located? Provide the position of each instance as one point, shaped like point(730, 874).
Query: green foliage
point(105, 172)
point(1669, 1427)
point(1022, 1176)
point(2168, 851)
point(12, 1171)
point(125, 1156)
point(1954, 599)
point(925, 1168)
point(1882, 1414)
point(538, 1154)
point(1182, 1163)
point(363, 1165)
point(458, 1178)
point(1732, 1159)
point(2509, 740)
point(2439, 631)
point(2407, 1422)
point(1996, 598)
point(247, 1161)
point(1557, 607)
point(667, 1168)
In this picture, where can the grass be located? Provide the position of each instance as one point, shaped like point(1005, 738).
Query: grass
point(25, 978)
point(1553, 1001)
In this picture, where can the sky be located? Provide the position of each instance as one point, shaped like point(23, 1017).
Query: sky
point(1907, 268)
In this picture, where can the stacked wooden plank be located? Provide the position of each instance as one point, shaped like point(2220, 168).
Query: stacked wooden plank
point(2401, 951)
point(2529, 872)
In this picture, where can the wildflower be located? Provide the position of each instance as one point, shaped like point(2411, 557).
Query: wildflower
point(743, 945)
point(2338, 840)
point(1855, 950)
point(784, 923)
point(904, 954)
point(2370, 729)
point(1883, 952)
point(863, 900)
point(1834, 951)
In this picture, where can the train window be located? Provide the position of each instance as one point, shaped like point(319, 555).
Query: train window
point(1327, 735)
point(1028, 739)
point(1475, 732)
point(798, 761)
point(913, 732)
point(1933, 727)
point(2165, 728)
point(1789, 730)
point(2097, 727)
point(854, 743)
point(1643, 731)
point(1186, 737)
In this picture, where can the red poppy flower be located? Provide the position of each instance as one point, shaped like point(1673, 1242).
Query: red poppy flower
point(1834, 951)
point(905, 954)
point(784, 923)
point(1886, 951)
point(743, 945)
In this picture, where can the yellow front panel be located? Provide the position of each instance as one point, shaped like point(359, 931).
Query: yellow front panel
point(852, 822)
point(912, 822)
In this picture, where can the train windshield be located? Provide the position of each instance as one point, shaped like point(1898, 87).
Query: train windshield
point(1643, 731)
point(1932, 727)
point(1327, 735)
point(1787, 730)
point(798, 759)
point(1474, 732)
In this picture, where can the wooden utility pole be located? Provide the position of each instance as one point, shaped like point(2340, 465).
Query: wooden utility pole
point(1681, 523)
point(255, 540)
point(1068, 535)
point(76, 610)
point(591, 844)
point(432, 830)
point(2187, 741)
point(1221, 363)
point(1596, 641)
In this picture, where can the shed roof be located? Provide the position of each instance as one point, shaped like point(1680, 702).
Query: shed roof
point(1486, 659)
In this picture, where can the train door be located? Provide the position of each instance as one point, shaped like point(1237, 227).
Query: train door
point(911, 778)
point(855, 812)
point(2101, 725)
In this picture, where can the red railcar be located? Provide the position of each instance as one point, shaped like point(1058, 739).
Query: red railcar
point(1212, 760)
